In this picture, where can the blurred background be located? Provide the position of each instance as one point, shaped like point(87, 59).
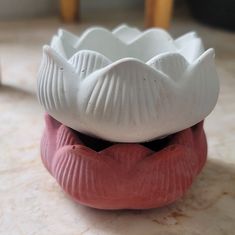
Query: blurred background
point(215, 12)
point(26, 25)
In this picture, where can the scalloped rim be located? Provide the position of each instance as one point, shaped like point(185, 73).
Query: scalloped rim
point(123, 175)
point(125, 41)
point(127, 101)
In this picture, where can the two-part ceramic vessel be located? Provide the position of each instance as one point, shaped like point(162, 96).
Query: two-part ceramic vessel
point(124, 114)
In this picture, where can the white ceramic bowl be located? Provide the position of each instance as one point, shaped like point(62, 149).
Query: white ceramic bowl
point(126, 85)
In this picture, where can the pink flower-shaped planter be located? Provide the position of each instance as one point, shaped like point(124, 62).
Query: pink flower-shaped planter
point(123, 175)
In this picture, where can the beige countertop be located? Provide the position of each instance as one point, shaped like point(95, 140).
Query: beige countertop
point(32, 203)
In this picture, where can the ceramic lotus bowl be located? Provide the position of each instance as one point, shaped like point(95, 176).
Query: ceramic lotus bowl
point(125, 111)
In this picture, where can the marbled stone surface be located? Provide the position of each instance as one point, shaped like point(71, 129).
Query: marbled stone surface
point(32, 203)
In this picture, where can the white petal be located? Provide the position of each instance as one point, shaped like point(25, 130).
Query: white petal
point(58, 80)
point(126, 33)
point(192, 49)
point(64, 43)
point(68, 36)
point(56, 83)
point(57, 45)
point(202, 76)
point(103, 42)
point(180, 41)
point(128, 101)
point(144, 47)
point(172, 64)
point(150, 43)
point(86, 62)
point(115, 101)
point(62, 47)
point(141, 45)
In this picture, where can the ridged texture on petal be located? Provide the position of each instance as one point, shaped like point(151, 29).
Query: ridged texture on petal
point(82, 174)
point(171, 64)
point(86, 62)
point(131, 96)
point(55, 79)
point(65, 137)
point(58, 81)
point(172, 171)
point(123, 101)
point(125, 175)
point(48, 142)
point(118, 95)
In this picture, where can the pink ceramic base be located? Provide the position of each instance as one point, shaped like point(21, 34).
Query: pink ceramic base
point(123, 175)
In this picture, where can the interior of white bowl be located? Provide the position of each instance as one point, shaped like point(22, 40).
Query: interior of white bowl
point(128, 42)
point(143, 47)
